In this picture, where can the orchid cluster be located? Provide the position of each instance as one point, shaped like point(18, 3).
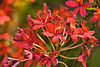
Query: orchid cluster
point(5, 16)
point(5, 13)
point(59, 27)
point(80, 6)
point(96, 17)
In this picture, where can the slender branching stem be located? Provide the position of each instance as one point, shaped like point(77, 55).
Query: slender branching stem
point(71, 58)
point(65, 42)
point(61, 42)
point(43, 41)
point(57, 44)
point(74, 43)
point(66, 48)
point(51, 43)
point(40, 47)
point(62, 63)
point(17, 59)
point(12, 58)
point(24, 60)
point(95, 3)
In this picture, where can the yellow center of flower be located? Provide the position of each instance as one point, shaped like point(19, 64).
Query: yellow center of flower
point(1, 12)
point(57, 11)
point(78, 0)
point(72, 26)
point(92, 41)
point(99, 11)
point(58, 28)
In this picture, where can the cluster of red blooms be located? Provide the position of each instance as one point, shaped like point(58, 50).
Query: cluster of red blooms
point(80, 6)
point(5, 16)
point(59, 27)
point(96, 17)
point(3, 44)
point(5, 11)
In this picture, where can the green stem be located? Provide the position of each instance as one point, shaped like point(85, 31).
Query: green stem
point(65, 39)
point(57, 44)
point(17, 59)
point(71, 58)
point(63, 35)
point(92, 8)
point(74, 43)
point(62, 63)
point(37, 49)
point(40, 47)
point(65, 42)
point(51, 43)
point(43, 41)
point(66, 48)
point(95, 3)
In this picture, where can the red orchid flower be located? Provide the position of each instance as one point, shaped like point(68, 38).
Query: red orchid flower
point(9, 62)
point(18, 54)
point(3, 63)
point(23, 39)
point(86, 34)
point(40, 21)
point(73, 35)
point(5, 7)
point(34, 24)
point(82, 58)
point(84, 27)
point(73, 31)
point(76, 33)
point(62, 13)
point(52, 59)
point(3, 46)
point(28, 54)
point(5, 36)
point(4, 19)
point(79, 6)
point(88, 51)
point(72, 23)
point(44, 59)
point(96, 17)
point(54, 30)
point(5, 10)
point(91, 1)
point(93, 40)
